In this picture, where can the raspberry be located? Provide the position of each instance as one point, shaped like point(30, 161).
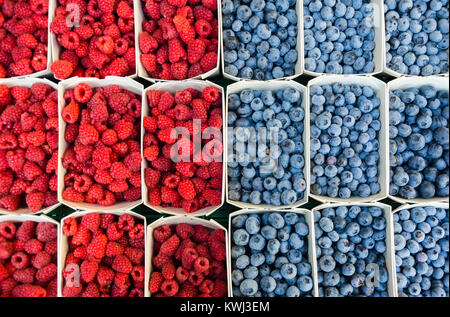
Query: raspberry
point(176, 51)
point(113, 232)
point(109, 137)
point(87, 134)
point(103, 177)
point(46, 231)
point(28, 290)
point(218, 251)
point(203, 28)
point(133, 161)
point(184, 230)
point(186, 190)
point(168, 271)
point(71, 112)
point(119, 171)
point(137, 232)
point(91, 290)
point(169, 246)
point(88, 271)
point(82, 92)
point(7, 229)
point(168, 195)
point(97, 247)
point(105, 276)
point(39, 62)
point(61, 69)
point(169, 288)
point(113, 249)
point(208, 61)
point(71, 194)
point(124, 10)
point(179, 70)
point(189, 255)
point(156, 280)
point(35, 201)
point(123, 129)
point(122, 264)
point(220, 289)
point(187, 169)
point(33, 246)
point(105, 44)
point(199, 109)
point(210, 94)
point(162, 233)
point(91, 221)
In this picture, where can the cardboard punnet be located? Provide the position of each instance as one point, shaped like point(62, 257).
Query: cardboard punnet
point(309, 219)
point(55, 48)
point(123, 82)
point(389, 254)
point(273, 85)
point(299, 65)
point(41, 218)
point(379, 53)
point(383, 135)
point(27, 82)
point(438, 82)
point(173, 87)
point(408, 206)
point(142, 72)
point(174, 220)
point(64, 242)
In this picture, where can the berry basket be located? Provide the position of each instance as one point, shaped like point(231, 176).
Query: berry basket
point(28, 82)
point(142, 72)
point(395, 252)
point(299, 65)
point(379, 51)
point(389, 252)
point(379, 88)
point(125, 83)
point(272, 86)
point(64, 246)
point(437, 82)
point(309, 220)
point(173, 87)
point(174, 220)
point(55, 48)
point(41, 218)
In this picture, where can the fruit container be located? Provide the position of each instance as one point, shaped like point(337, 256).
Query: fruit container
point(309, 218)
point(437, 82)
point(55, 48)
point(273, 85)
point(390, 252)
point(174, 220)
point(41, 218)
point(299, 65)
point(64, 246)
point(173, 87)
point(125, 83)
point(28, 82)
point(379, 53)
point(383, 135)
point(142, 72)
point(410, 206)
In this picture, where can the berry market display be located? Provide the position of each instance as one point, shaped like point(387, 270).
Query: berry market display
point(260, 39)
point(101, 154)
point(188, 259)
point(353, 250)
point(183, 148)
point(179, 38)
point(419, 139)
point(417, 38)
point(104, 255)
point(421, 250)
point(24, 38)
point(28, 257)
point(28, 145)
point(94, 38)
point(271, 254)
point(266, 156)
point(347, 139)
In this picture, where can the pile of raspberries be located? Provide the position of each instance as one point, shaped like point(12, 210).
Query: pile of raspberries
point(179, 38)
point(28, 259)
point(100, 44)
point(188, 261)
point(28, 147)
point(23, 37)
point(108, 253)
point(193, 182)
point(103, 157)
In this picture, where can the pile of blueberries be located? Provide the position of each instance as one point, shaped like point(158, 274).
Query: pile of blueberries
point(265, 158)
point(339, 36)
point(421, 251)
point(417, 38)
point(260, 38)
point(345, 125)
point(269, 255)
point(350, 247)
point(419, 143)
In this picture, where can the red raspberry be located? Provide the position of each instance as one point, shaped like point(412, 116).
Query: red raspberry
point(109, 137)
point(113, 232)
point(91, 290)
point(97, 247)
point(20, 93)
point(122, 264)
point(169, 246)
point(189, 255)
point(26, 231)
point(82, 236)
point(87, 134)
point(203, 28)
point(133, 161)
point(210, 94)
point(168, 195)
point(82, 92)
point(105, 276)
point(105, 44)
point(71, 194)
point(186, 190)
point(187, 169)
point(156, 280)
point(71, 112)
point(103, 177)
point(162, 233)
point(113, 249)
point(28, 290)
point(124, 10)
point(213, 197)
point(169, 288)
point(168, 271)
point(199, 109)
point(119, 171)
point(137, 232)
point(201, 234)
point(88, 271)
point(91, 221)
point(176, 51)
point(35, 201)
point(208, 61)
point(123, 129)
point(136, 256)
point(61, 69)
point(46, 231)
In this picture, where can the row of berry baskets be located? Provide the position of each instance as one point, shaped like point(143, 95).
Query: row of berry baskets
point(133, 47)
point(117, 254)
point(103, 158)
